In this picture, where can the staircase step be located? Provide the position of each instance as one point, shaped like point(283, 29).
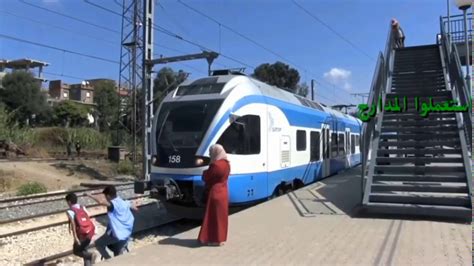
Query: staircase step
point(402, 123)
point(420, 187)
point(418, 69)
point(418, 88)
point(416, 115)
point(411, 94)
point(439, 128)
point(440, 136)
point(417, 81)
point(417, 48)
point(410, 100)
point(464, 213)
point(418, 169)
point(416, 62)
point(421, 73)
point(418, 178)
point(418, 198)
point(418, 143)
point(419, 77)
point(419, 160)
point(383, 152)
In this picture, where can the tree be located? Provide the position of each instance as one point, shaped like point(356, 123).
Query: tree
point(22, 96)
point(279, 75)
point(107, 100)
point(70, 114)
point(167, 80)
point(302, 89)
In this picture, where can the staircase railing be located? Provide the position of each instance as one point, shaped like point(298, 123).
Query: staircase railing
point(461, 93)
point(371, 129)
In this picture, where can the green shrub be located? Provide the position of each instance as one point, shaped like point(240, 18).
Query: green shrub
point(9, 130)
point(125, 167)
point(31, 188)
point(57, 138)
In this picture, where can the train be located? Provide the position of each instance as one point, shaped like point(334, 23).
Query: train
point(275, 141)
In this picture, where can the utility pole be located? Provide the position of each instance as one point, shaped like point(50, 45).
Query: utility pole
point(312, 90)
point(131, 68)
point(147, 102)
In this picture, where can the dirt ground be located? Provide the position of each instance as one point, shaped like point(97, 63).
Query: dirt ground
point(55, 175)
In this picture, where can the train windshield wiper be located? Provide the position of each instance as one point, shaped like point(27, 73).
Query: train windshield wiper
point(161, 131)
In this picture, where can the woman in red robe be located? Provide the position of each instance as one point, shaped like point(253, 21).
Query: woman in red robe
point(214, 226)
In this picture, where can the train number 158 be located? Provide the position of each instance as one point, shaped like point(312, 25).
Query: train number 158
point(174, 159)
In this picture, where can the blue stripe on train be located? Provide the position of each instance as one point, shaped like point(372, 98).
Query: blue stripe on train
point(297, 116)
point(256, 186)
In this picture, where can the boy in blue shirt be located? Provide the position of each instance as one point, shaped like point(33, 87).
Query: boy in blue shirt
point(120, 225)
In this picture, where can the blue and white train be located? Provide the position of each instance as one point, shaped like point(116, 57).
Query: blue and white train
point(274, 140)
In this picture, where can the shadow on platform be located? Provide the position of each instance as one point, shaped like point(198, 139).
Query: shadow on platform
point(341, 194)
point(189, 243)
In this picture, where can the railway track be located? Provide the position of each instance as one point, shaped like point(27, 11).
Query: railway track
point(58, 221)
point(43, 197)
point(55, 156)
point(26, 209)
point(137, 234)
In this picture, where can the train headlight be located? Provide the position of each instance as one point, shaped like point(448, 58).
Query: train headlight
point(199, 162)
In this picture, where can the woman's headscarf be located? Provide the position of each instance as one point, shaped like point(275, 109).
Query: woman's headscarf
point(394, 23)
point(217, 152)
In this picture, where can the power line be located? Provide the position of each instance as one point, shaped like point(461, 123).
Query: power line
point(58, 49)
point(332, 30)
point(63, 75)
point(58, 27)
point(103, 8)
point(71, 31)
point(70, 17)
point(248, 39)
point(238, 33)
point(174, 35)
point(171, 18)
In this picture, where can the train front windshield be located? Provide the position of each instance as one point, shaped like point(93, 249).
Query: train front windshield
point(180, 129)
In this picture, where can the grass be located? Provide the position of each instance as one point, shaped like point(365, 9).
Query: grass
point(125, 167)
point(31, 188)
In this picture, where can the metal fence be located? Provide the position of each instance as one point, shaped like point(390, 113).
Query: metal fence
point(456, 27)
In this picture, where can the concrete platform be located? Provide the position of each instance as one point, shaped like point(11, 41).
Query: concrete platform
point(316, 225)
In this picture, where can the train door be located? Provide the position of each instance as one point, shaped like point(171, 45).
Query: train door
point(348, 147)
point(326, 162)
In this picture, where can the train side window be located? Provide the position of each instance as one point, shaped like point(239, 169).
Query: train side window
point(341, 144)
point(353, 143)
point(300, 140)
point(333, 145)
point(315, 150)
point(242, 136)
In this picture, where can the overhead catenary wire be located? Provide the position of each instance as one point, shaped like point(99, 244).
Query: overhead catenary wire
point(220, 24)
point(68, 30)
point(174, 35)
point(58, 49)
point(332, 30)
point(71, 17)
point(79, 33)
point(155, 27)
point(64, 75)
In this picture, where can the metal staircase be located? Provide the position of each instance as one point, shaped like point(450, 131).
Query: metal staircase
point(418, 165)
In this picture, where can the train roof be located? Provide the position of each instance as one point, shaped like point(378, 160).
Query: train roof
point(222, 85)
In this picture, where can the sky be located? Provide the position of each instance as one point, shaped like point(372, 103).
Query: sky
point(340, 56)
